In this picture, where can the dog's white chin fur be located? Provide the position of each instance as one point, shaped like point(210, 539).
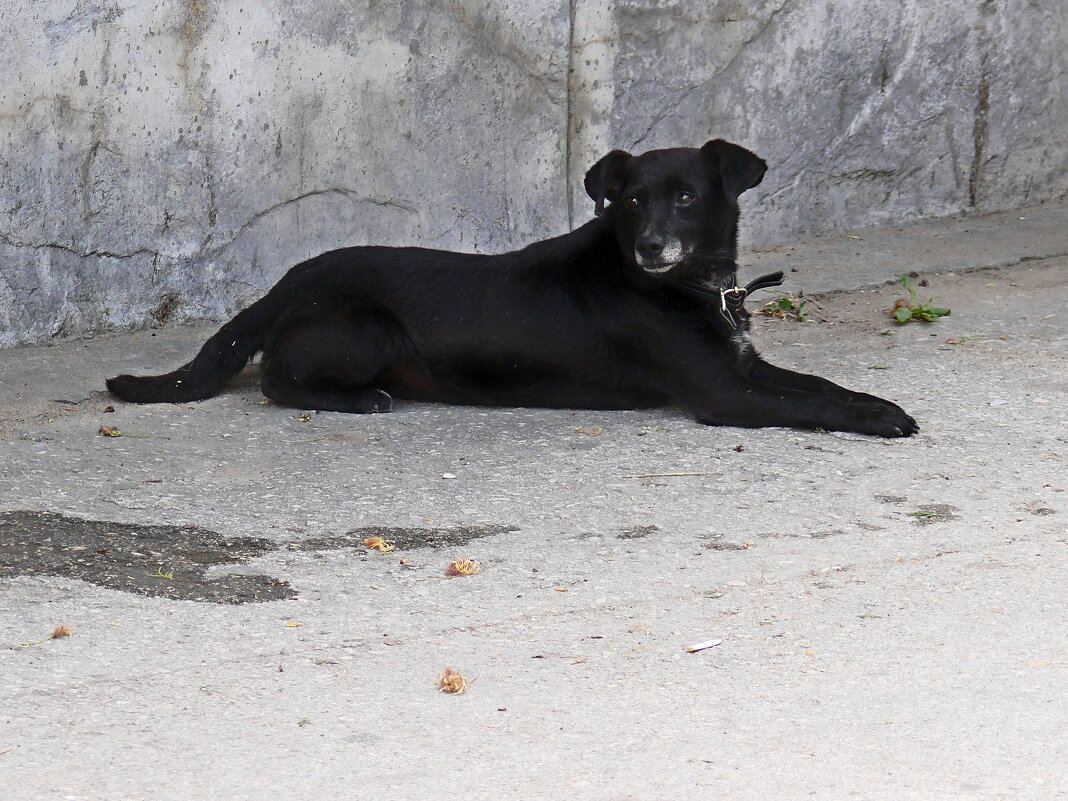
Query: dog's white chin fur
point(671, 255)
point(660, 268)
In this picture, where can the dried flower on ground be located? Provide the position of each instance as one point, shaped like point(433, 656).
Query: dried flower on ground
point(452, 681)
point(462, 567)
point(379, 544)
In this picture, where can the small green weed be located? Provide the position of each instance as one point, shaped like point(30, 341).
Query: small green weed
point(906, 311)
point(159, 572)
point(786, 306)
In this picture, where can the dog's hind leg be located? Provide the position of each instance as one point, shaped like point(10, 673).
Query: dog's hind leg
point(332, 365)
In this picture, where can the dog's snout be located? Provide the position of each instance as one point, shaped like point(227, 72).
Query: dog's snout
point(650, 247)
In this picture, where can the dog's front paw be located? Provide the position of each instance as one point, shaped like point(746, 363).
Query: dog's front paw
point(882, 419)
point(381, 401)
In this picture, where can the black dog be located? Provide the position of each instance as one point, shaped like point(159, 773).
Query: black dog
point(627, 311)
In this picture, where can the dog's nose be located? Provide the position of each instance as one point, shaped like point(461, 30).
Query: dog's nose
point(650, 247)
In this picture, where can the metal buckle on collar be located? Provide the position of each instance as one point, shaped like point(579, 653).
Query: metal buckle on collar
point(737, 297)
point(731, 299)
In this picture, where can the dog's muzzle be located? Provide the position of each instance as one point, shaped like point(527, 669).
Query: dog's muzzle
point(669, 257)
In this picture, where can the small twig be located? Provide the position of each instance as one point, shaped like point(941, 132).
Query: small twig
point(665, 475)
point(59, 631)
point(6, 751)
point(109, 431)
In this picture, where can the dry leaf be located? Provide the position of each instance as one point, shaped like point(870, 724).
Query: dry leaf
point(304, 418)
point(108, 431)
point(462, 567)
point(379, 544)
point(593, 431)
point(62, 631)
point(294, 624)
point(452, 681)
point(560, 589)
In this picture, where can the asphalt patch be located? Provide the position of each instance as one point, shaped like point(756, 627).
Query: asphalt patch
point(929, 513)
point(637, 532)
point(172, 561)
point(157, 561)
point(403, 538)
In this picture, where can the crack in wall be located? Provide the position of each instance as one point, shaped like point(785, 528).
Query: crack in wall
point(986, 41)
point(351, 194)
point(742, 48)
point(7, 239)
point(498, 47)
point(980, 128)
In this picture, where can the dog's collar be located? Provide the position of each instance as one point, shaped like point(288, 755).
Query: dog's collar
point(729, 299)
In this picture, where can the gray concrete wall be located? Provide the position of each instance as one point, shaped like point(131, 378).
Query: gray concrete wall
point(170, 159)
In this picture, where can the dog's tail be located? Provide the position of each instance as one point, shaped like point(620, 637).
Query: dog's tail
point(222, 356)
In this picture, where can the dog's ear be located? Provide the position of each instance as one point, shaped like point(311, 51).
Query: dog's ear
point(604, 180)
point(738, 168)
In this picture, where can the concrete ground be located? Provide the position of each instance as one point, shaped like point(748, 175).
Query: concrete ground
point(892, 612)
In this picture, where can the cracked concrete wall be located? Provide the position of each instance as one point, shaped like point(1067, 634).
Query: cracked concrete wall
point(171, 159)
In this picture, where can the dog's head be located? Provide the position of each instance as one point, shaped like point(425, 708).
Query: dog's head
point(676, 211)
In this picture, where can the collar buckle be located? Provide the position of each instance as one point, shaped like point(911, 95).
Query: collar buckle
point(732, 299)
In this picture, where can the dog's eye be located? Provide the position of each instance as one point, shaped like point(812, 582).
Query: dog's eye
point(631, 202)
point(684, 199)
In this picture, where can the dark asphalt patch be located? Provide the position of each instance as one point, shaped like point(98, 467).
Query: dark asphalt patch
point(637, 532)
point(157, 561)
point(718, 545)
point(171, 561)
point(403, 538)
point(929, 513)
